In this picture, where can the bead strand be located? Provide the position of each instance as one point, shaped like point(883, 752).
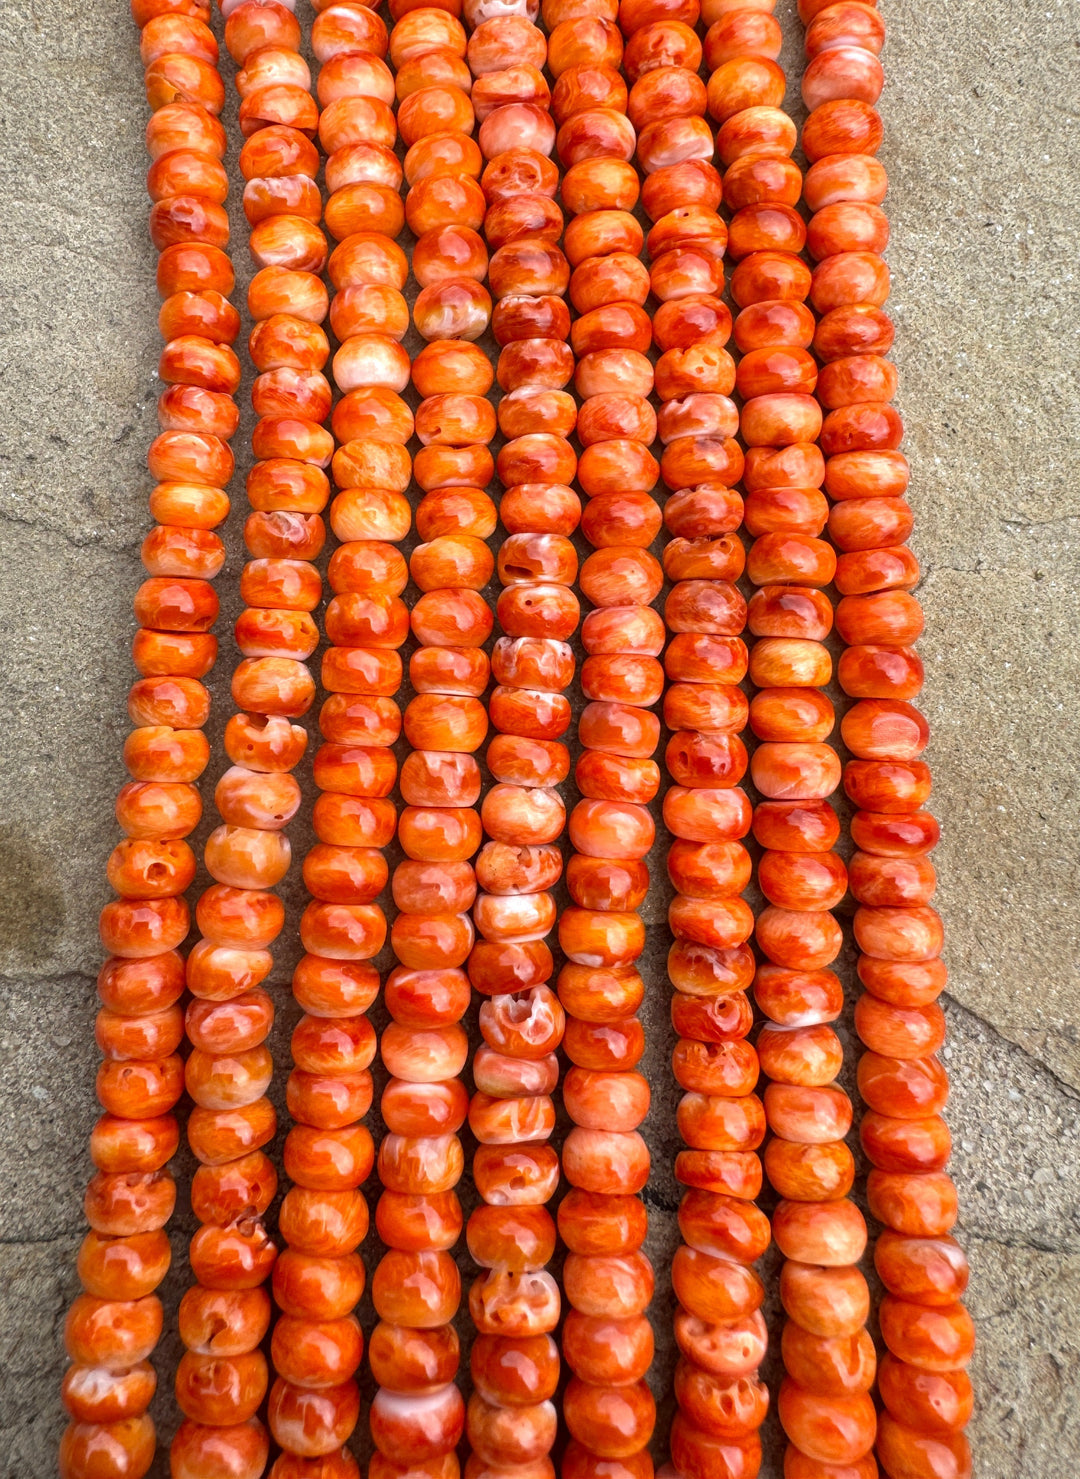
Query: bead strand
point(222, 1377)
point(418, 1415)
point(329, 1152)
point(824, 1403)
point(511, 1420)
point(927, 1333)
point(114, 1325)
point(719, 1328)
point(608, 1280)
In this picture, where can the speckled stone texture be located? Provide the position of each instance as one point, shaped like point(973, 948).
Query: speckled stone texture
point(982, 111)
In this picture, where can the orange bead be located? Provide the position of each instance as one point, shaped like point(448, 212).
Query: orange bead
point(615, 1422)
point(409, 1430)
point(829, 1366)
point(514, 1371)
point(794, 997)
point(212, 1388)
point(404, 1360)
point(112, 1334)
point(125, 1447)
point(519, 1305)
point(907, 1450)
point(938, 1339)
point(808, 1115)
point(91, 1395)
point(828, 1429)
point(504, 1437)
point(310, 1287)
point(311, 1423)
point(842, 126)
point(316, 1353)
point(699, 1454)
point(826, 1302)
point(931, 1402)
point(922, 1270)
point(832, 1234)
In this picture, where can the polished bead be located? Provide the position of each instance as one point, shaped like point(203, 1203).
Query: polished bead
point(799, 880)
point(907, 1450)
point(842, 126)
point(409, 1430)
point(809, 1055)
point(520, 1305)
point(409, 1360)
point(819, 1172)
point(808, 1115)
point(826, 1302)
point(923, 1271)
point(832, 1233)
point(901, 1032)
point(920, 1205)
point(932, 1402)
point(796, 998)
point(729, 1349)
point(614, 1422)
point(790, 715)
point(606, 1350)
point(715, 1289)
point(505, 1437)
point(124, 1447)
point(906, 1145)
point(835, 1429)
point(933, 1339)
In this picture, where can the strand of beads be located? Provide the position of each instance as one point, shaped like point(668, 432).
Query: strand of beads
point(511, 1420)
point(115, 1323)
point(329, 1152)
point(719, 1330)
point(222, 1377)
point(418, 1415)
point(824, 1403)
point(927, 1332)
point(608, 1280)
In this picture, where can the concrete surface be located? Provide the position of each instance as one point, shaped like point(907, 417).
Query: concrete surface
point(983, 152)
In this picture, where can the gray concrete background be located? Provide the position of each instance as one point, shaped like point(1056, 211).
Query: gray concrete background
point(982, 147)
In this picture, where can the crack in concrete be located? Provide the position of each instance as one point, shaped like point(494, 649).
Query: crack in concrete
point(92, 541)
point(1017, 1245)
point(1069, 1090)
